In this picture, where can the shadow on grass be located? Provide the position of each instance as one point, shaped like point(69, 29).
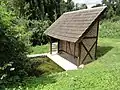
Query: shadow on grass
point(102, 50)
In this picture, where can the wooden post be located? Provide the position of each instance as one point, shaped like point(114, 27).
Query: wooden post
point(78, 62)
point(50, 45)
point(96, 40)
point(79, 55)
point(66, 45)
point(74, 49)
point(58, 45)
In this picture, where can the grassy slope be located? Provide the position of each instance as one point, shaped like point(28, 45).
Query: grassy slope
point(102, 74)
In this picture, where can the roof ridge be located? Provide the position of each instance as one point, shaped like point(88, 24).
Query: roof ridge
point(85, 10)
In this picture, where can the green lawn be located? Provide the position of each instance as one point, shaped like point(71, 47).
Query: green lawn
point(44, 66)
point(102, 74)
point(40, 49)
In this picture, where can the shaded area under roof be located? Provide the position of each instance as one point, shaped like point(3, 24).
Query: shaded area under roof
point(72, 25)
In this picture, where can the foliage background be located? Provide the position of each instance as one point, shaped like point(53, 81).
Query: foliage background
point(22, 23)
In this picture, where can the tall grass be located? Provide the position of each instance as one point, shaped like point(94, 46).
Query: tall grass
point(109, 29)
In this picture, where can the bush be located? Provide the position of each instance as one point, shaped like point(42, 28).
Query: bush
point(13, 60)
point(14, 63)
point(38, 28)
point(13, 25)
point(20, 30)
point(115, 18)
point(28, 31)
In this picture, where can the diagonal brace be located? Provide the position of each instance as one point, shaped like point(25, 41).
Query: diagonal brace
point(88, 51)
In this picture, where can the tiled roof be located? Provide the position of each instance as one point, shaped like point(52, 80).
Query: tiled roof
point(71, 25)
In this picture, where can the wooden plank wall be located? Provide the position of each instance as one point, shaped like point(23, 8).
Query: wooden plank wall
point(68, 47)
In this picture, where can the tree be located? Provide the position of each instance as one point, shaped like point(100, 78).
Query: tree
point(38, 37)
point(63, 6)
point(113, 7)
point(80, 6)
point(77, 6)
point(31, 15)
point(118, 7)
point(58, 11)
point(97, 5)
point(83, 6)
point(40, 9)
point(70, 5)
point(13, 60)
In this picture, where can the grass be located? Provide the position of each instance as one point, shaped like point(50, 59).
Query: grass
point(40, 49)
point(102, 74)
point(44, 66)
point(110, 29)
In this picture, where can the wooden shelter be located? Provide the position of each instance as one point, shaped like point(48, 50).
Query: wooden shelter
point(77, 34)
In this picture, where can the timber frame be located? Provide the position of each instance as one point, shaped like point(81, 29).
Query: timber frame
point(94, 44)
point(80, 43)
point(78, 37)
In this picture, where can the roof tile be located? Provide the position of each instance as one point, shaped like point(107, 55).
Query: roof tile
point(71, 25)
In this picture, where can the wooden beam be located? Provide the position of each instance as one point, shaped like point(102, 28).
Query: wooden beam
point(90, 37)
point(89, 51)
point(78, 59)
point(79, 55)
point(68, 53)
point(74, 49)
point(96, 40)
point(69, 46)
point(58, 45)
point(50, 45)
point(66, 45)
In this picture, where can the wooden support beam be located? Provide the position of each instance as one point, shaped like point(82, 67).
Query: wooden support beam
point(50, 45)
point(79, 55)
point(68, 53)
point(58, 45)
point(74, 49)
point(69, 46)
point(90, 37)
point(89, 51)
point(96, 40)
point(78, 59)
point(66, 45)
